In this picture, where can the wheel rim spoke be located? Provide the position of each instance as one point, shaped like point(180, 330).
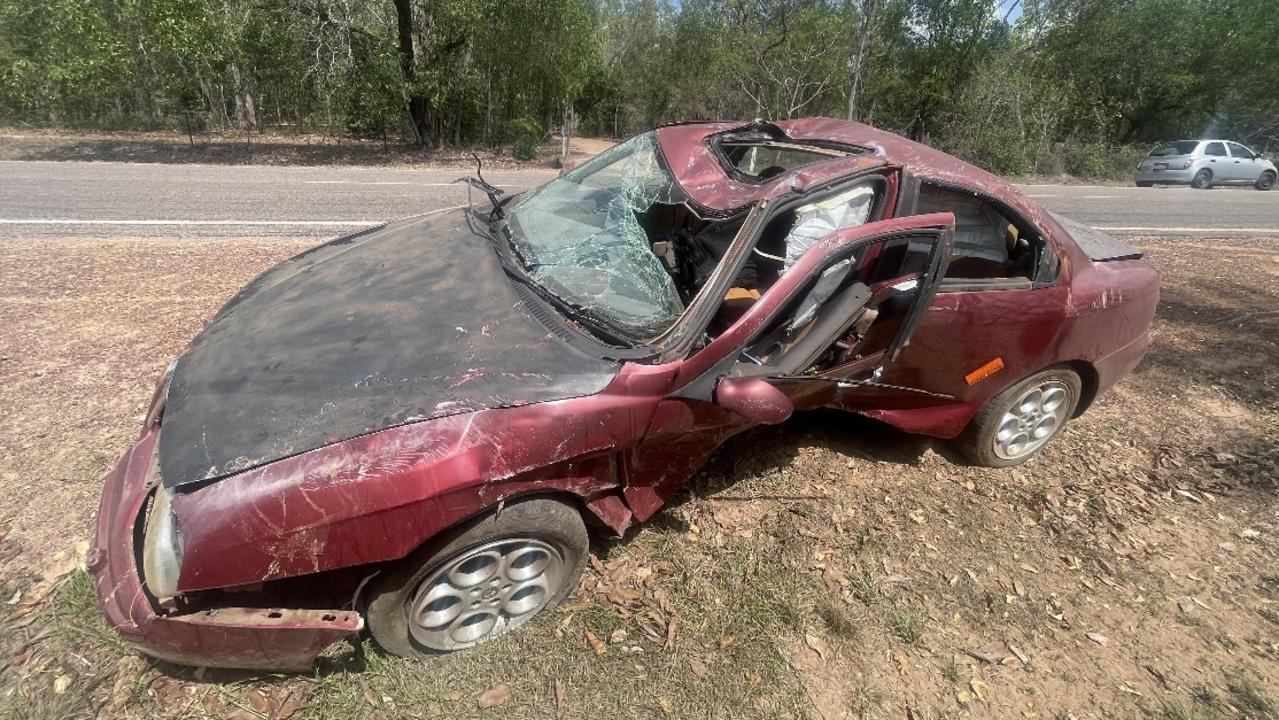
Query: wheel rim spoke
point(1032, 420)
point(484, 591)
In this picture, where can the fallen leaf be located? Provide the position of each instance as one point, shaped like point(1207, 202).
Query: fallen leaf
point(1020, 655)
point(964, 697)
point(618, 636)
point(597, 644)
point(1029, 568)
point(1187, 495)
point(818, 645)
point(993, 653)
point(670, 633)
point(1097, 638)
point(666, 706)
point(918, 517)
point(494, 696)
point(698, 667)
point(726, 641)
point(978, 687)
point(559, 695)
point(61, 683)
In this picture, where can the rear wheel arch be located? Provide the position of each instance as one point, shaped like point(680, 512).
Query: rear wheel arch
point(982, 438)
point(1090, 381)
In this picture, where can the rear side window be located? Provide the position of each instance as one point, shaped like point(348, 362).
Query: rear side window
point(1238, 150)
point(1184, 147)
point(988, 245)
point(1215, 149)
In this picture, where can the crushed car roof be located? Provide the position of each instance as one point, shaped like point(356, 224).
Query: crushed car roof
point(702, 175)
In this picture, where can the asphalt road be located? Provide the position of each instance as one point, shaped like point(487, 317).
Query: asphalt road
point(59, 199)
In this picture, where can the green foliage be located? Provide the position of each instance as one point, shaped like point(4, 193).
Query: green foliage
point(525, 136)
point(1061, 89)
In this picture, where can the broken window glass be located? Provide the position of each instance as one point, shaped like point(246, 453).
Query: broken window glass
point(581, 237)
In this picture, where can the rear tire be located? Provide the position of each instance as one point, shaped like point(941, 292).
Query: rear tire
point(478, 581)
point(1202, 180)
point(1144, 183)
point(1017, 423)
point(1266, 181)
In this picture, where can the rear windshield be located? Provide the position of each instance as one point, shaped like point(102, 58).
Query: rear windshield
point(1183, 147)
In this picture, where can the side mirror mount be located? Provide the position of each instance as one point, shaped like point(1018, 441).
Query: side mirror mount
point(754, 399)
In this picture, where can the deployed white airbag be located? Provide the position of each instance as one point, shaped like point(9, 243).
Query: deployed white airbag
point(817, 220)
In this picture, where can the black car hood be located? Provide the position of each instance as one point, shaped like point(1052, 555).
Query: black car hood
point(399, 324)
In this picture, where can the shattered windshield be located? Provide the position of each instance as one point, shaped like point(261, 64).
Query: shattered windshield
point(582, 237)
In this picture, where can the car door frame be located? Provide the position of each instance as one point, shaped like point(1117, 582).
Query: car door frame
point(678, 343)
point(688, 425)
point(1221, 169)
point(955, 297)
point(1247, 169)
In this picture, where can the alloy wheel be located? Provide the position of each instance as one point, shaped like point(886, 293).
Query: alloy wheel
point(485, 591)
point(1032, 420)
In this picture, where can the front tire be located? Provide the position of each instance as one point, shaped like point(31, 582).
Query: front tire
point(1202, 180)
point(1018, 422)
point(479, 581)
point(1266, 181)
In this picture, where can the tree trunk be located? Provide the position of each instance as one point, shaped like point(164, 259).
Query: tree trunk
point(246, 114)
point(857, 64)
point(417, 107)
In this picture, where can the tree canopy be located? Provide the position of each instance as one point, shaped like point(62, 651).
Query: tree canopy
point(1015, 85)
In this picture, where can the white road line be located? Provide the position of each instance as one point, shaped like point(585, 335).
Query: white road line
point(182, 223)
point(185, 223)
point(393, 182)
point(1134, 228)
point(372, 182)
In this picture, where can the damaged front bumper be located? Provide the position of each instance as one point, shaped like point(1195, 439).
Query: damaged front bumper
point(230, 637)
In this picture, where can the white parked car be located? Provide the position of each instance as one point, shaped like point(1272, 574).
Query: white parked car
point(1204, 163)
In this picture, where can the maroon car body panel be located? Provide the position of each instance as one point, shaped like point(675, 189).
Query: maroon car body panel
point(620, 453)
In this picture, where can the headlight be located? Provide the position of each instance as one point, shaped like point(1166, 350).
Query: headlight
point(162, 548)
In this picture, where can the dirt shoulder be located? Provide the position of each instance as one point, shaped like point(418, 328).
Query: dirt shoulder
point(827, 568)
point(271, 148)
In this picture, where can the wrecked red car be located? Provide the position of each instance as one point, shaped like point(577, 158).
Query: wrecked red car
point(410, 429)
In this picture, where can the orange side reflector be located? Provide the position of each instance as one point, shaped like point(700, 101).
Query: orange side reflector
point(984, 371)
